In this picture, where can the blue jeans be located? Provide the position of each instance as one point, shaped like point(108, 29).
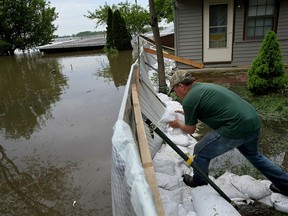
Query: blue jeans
point(213, 145)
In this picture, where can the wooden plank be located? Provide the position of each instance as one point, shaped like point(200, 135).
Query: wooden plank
point(178, 59)
point(145, 152)
point(137, 80)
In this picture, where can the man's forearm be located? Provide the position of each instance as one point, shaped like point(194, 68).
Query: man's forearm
point(189, 129)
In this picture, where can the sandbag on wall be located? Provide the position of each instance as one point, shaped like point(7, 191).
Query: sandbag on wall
point(208, 202)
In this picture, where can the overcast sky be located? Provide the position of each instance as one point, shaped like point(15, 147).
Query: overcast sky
point(71, 13)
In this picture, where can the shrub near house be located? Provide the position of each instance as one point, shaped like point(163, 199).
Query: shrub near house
point(267, 73)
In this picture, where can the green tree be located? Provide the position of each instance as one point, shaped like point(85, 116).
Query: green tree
point(25, 24)
point(135, 17)
point(267, 73)
point(164, 9)
point(121, 36)
point(109, 29)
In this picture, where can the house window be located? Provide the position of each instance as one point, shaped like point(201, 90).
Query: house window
point(218, 26)
point(261, 17)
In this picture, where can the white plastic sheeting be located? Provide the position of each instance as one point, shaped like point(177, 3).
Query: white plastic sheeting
point(131, 194)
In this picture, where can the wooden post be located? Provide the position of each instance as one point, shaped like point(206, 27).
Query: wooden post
point(145, 152)
point(137, 76)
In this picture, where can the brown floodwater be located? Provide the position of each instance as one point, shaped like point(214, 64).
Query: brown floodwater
point(56, 122)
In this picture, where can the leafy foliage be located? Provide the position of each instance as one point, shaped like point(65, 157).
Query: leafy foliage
point(267, 73)
point(88, 33)
point(25, 24)
point(135, 17)
point(164, 9)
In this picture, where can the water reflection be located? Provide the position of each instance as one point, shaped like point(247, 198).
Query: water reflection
point(43, 189)
point(118, 62)
point(28, 88)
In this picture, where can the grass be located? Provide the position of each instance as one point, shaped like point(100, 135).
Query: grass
point(273, 106)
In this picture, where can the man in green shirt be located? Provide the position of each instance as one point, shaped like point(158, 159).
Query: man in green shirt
point(235, 124)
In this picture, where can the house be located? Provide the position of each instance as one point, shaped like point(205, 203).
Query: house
point(227, 33)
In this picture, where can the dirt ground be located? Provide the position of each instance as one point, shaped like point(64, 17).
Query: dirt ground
point(221, 76)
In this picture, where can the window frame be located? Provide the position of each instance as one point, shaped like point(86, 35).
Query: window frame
point(275, 22)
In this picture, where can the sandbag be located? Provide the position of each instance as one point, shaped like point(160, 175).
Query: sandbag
point(280, 202)
point(168, 182)
point(208, 202)
point(224, 182)
point(163, 165)
point(253, 188)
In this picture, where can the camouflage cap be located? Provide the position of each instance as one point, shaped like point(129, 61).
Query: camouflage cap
point(180, 76)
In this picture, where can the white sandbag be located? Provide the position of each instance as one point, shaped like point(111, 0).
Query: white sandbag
point(251, 187)
point(164, 97)
point(187, 199)
point(173, 105)
point(178, 139)
point(224, 183)
point(170, 154)
point(170, 114)
point(187, 150)
point(157, 140)
point(266, 201)
point(186, 169)
point(208, 202)
point(175, 196)
point(170, 208)
point(191, 214)
point(181, 210)
point(168, 182)
point(173, 202)
point(280, 202)
point(163, 165)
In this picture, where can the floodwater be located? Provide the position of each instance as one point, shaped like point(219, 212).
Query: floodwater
point(56, 122)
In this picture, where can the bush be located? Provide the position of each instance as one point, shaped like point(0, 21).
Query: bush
point(267, 73)
point(4, 47)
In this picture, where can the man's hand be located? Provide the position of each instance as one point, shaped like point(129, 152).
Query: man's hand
point(175, 123)
point(189, 129)
point(180, 111)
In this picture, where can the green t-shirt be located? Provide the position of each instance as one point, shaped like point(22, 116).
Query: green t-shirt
point(220, 109)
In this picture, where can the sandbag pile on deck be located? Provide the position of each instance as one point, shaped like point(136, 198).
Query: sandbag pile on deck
point(179, 199)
